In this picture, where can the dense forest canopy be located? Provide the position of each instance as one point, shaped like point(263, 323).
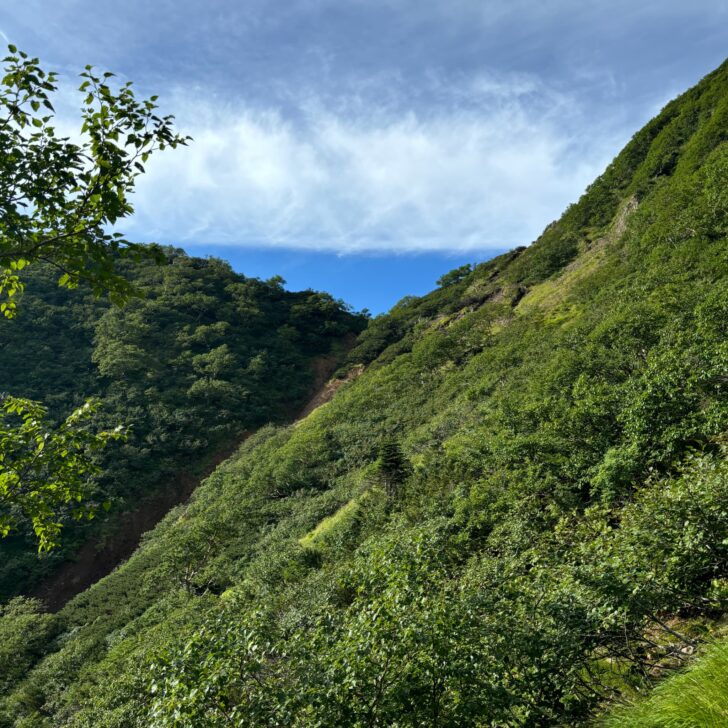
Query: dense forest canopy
point(512, 512)
point(202, 356)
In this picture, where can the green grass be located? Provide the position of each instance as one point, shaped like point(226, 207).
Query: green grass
point(695, 698)
point(332, 523)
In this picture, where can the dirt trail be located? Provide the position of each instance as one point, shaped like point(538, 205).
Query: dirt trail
point(95, 559)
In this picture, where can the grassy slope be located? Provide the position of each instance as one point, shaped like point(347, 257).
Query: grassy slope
point(518, 395)
point(696, 698)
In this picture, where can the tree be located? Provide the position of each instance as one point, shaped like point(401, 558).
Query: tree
point(455, 276)
point(59, 199)
point(392, 466)
point(45, 474)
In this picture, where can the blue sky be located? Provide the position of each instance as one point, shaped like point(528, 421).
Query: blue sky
point(367, 146)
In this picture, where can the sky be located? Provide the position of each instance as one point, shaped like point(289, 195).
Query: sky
point(365, 147)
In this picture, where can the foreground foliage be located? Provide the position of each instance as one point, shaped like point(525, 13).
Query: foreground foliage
point(43, 471)
point(58, 199)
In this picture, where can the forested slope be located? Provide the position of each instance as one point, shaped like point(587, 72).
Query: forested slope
point(203, 356)
point(515, 515)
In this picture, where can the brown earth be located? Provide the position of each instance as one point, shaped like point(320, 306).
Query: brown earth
point(99, 557)
point(328, 390)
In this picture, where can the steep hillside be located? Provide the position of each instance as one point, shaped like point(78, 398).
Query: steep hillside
point(203, 357)
point(511, 513)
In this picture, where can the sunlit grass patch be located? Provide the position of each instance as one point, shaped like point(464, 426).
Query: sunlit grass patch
point(695, 698)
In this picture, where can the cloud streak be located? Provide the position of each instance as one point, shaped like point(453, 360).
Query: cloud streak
point(379, 124)
point(486, 167)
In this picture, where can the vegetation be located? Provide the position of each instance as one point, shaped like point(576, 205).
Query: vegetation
point(58, 200)
point(58, 197)
point(515, 515)
point(696, 697)
point(44, 472)
point(199, 358)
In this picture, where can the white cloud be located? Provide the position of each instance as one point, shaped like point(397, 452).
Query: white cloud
point(352, 176)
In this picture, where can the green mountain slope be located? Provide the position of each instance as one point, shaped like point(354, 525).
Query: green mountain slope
point(205, 355)
point(511, 513)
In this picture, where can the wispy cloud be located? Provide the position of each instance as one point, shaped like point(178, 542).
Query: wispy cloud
point(488, 166)
point(380, 124)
